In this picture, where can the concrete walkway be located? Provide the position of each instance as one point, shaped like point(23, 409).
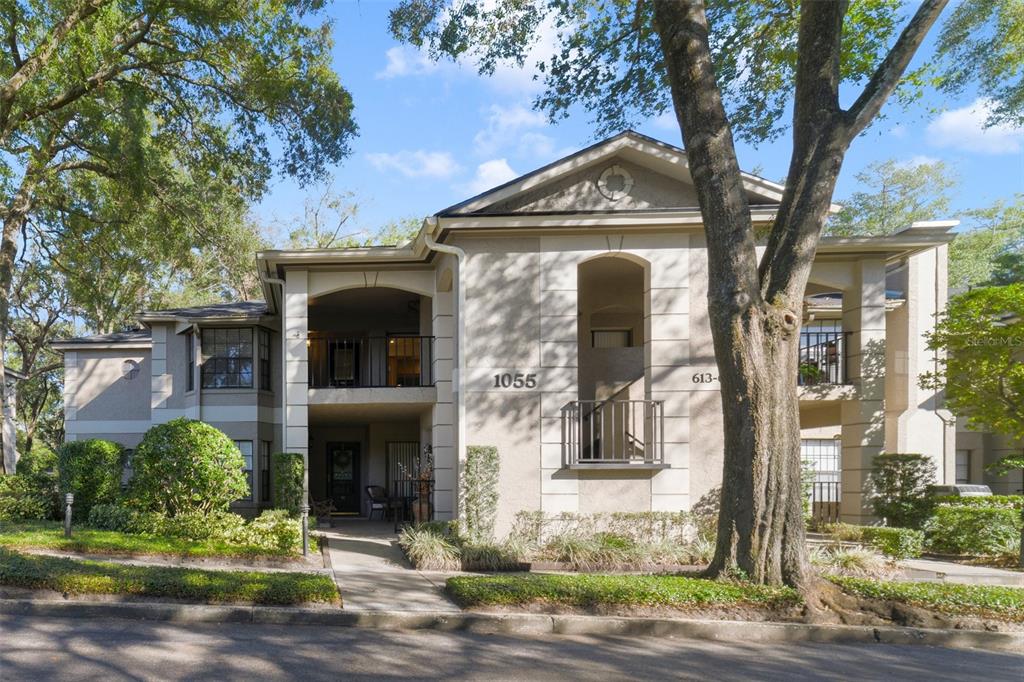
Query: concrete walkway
point(373, 575)
point(932, 570)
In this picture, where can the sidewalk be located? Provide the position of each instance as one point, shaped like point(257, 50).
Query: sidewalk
point(373, 575)
point(932, 570)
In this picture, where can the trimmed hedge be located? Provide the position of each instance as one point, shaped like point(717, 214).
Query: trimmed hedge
point(186, 466)
point(980, 531)
point(898, 543)
point(21, 497)
point(91, 469)
point(288, 471)
point(1009, 501)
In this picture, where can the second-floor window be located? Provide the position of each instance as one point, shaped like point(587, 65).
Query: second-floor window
point(190, 362)
point(227, 358)
point(264, 359)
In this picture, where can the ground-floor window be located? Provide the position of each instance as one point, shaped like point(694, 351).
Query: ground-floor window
point(265, 471)
point(822, 456)
point(245, 447)
point(963, 466)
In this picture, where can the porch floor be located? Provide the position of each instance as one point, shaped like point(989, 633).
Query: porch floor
point(373, 574)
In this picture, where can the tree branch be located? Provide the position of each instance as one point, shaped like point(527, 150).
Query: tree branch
point(888, 74)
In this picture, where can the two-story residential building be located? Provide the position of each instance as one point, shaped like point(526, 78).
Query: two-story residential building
point(561, 317)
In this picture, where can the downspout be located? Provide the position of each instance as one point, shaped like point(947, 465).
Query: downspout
point(304, 504)
point(458, 382)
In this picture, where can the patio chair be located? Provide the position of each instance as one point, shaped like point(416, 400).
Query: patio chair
point(321, 508)
point(379, 501)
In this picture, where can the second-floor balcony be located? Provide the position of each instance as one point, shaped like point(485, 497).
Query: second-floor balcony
point(613, 433)
point(370, 361)
point(823, 358)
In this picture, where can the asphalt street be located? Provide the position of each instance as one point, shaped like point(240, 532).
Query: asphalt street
point(34, 648)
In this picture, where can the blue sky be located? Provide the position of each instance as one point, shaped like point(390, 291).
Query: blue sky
point(434, 134)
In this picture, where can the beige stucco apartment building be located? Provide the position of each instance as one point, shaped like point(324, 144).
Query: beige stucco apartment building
point(561, 317)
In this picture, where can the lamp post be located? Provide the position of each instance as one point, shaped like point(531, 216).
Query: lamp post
point(69, 499)
point(304, 511)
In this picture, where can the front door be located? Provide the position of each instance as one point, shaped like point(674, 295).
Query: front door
point(343, 476)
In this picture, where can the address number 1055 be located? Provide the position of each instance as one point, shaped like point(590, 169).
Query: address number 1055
point(510, 380)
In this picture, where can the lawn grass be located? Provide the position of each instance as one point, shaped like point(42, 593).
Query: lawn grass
point(50, 535)
point(590, 590)
point(188, 584)
point(987, 601)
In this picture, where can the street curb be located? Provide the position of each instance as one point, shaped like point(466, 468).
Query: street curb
point(522, 624)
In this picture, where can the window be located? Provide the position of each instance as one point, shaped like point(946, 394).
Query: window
point(227, 358)
point(245, 447)
point(264, 360)
point(963, 466)
point(190, 362)
point(611, 338)
point(821, 455)
point(265, 471)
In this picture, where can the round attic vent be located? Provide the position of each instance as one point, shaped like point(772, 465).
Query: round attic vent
point(615, 183)
point(129, 369)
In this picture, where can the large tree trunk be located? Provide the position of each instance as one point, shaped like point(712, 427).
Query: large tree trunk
point(755, 308)
point(755, 327)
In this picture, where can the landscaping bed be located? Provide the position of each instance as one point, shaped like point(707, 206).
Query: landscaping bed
point(49, 535)
point(73, 577)
point(939, 605)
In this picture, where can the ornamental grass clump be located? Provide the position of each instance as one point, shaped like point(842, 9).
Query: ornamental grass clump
point(429, 549)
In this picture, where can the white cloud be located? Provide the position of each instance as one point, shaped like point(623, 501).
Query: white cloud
point(504, 125)
point(489, 174)
point(964, 129)
point(919, 160)
point(899, 131)
point(404, 60)
point(536, 145)
point(416, 164)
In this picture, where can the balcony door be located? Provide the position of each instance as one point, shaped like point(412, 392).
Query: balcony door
point(343, 477)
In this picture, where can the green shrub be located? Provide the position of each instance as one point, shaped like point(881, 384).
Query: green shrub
point(112, 517)
point(91, 469)
point(186, 466)
point(981, 531)
point(274, 529)
point(479, 493)
point(429, 549)
point(991, 601)
point(899, 543)
point(1008, 501)
point(21, 498)
point(896, 487)
point(288, 473)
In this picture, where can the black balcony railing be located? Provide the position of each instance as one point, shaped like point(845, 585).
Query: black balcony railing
point(823, 358)
point(609, 432)
point(371, 362)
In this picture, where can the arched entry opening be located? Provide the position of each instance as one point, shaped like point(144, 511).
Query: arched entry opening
point(613, 421)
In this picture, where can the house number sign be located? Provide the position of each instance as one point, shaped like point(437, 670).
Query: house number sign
point(515, 380)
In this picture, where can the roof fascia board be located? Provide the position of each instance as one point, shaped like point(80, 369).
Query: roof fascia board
point(125, 345)
point(640, 219)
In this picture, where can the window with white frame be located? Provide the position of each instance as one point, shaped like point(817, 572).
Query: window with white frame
point(822, 455)
point(963, 466)
point(245, 447)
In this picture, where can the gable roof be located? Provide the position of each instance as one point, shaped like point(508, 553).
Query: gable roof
point(660, 157)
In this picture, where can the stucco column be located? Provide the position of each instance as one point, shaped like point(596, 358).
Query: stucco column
point(295, 324)
point(915, 426)
point(443, 428)
point(863, 419)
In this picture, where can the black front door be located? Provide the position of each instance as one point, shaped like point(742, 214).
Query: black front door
point(343, 476)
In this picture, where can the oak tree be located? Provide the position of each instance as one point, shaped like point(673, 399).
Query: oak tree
point(751, 69)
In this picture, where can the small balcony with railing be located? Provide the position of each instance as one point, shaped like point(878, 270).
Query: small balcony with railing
point(611, 434)
point(823, 357)
point(370, 345)
point(397, 361)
